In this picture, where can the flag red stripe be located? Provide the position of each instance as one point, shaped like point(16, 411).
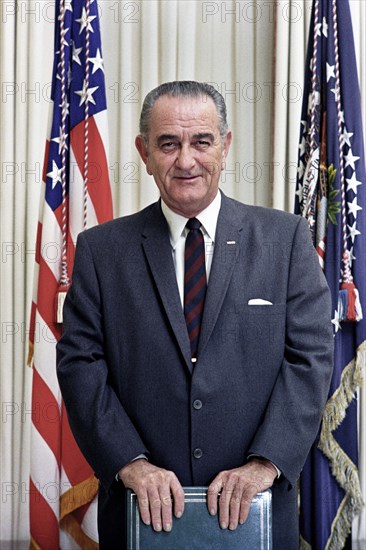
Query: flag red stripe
point(75, 466)
point(45, 414)
point(79, 513)
point(70, 246)
point(47, 539)
point(38, 243)
point(70, 252)
point(58, 212)
point(98, 184)
point(32, 325)
point(46, 155)
point(46, 298)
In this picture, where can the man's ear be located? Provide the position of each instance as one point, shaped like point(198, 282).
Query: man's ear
point(142, 149)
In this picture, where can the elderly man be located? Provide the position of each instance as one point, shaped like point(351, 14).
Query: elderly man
point(197, 344)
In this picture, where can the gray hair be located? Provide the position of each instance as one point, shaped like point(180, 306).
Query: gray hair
point(183, 88)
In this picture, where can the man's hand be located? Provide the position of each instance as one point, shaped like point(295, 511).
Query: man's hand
point(238, 487)
point(154, 488)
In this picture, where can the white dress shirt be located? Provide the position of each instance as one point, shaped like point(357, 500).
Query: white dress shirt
point(178, 233)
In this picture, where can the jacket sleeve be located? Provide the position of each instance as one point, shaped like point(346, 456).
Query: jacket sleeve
point(294, 411)
point(101, 427)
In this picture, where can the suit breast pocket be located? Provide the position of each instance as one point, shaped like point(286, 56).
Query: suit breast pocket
point(263, 325)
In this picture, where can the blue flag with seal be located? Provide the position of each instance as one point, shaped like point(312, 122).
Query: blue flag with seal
point(331, 195)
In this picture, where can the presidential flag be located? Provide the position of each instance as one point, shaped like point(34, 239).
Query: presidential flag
point(331, 195)
point(76, 194)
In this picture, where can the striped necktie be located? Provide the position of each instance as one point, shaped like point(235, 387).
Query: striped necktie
point(195, 283)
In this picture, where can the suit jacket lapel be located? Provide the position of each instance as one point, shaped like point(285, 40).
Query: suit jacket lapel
point(226, 254)
point(158, 252)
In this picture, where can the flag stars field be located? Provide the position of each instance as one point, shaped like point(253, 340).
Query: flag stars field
point(330, 72)
point(353, 232)
point(353, 183)
point(55, 175)
point(353, 207)
point(61, 140)
point(97, 62)
point(350, 159)
point(76, 53)
point(85, 22)
point(346, 138)
point(86, 94)
point(336, 321)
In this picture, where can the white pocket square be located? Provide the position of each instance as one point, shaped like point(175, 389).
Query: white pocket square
point(259, 302)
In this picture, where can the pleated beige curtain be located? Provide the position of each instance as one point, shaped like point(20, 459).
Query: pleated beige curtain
point(26, 41)
point(228, 44)
point(291, 33)
point(145, 42)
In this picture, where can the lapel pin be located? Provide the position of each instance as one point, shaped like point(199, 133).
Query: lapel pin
point(231, 242)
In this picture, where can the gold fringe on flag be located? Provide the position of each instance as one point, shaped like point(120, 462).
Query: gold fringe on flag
point(341, 525)
point(303, 544)
point(343, 469)
point(78, 495)
point(71, 500)
point(72, 526)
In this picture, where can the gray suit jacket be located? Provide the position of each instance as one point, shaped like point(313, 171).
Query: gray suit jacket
point(263, 371)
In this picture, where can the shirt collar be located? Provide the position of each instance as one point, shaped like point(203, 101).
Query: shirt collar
point(177, 223)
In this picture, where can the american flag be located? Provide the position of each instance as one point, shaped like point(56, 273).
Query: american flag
point(331, 194)
point(76, 195)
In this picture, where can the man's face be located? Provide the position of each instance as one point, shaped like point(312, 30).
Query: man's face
point(185, 153)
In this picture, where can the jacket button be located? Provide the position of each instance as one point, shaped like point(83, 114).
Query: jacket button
point(197, 404)
point(197, 453)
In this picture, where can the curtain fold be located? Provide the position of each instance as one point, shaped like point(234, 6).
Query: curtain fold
point(292, 21)
point(25, 61)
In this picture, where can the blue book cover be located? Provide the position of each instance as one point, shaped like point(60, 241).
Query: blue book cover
point(197, 530)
